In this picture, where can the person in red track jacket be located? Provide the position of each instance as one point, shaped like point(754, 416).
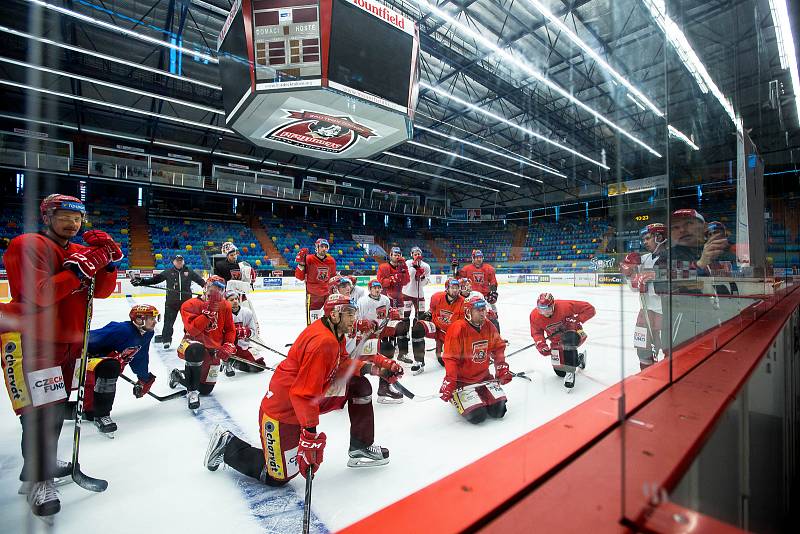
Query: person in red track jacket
point(393, 275)
point(557, 330)
point(471, 344)
point(483, 279)
point(48, 277)
point(446, 308)
point(316, 270)
point(209, 337)
point(317, 376)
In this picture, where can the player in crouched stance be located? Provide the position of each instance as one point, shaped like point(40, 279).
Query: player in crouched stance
point(470, 346)
point(317, 376)
point(562, 322)
point(208, 339)
point(116, 345)
point(246, 325)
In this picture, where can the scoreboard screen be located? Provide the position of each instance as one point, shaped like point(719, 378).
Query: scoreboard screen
point(369, 55)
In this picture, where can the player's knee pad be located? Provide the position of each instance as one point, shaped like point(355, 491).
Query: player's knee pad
point(272, 482)
point(569, 357)
point(387, 347)
point(359, 388)
point(424, 329)
point(402, 328)
point(105, 385)
point(497, 410)
point(477, 416)
point(195, 353)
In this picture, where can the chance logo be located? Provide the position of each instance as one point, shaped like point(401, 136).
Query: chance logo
point(319, 131)
point(479, 349)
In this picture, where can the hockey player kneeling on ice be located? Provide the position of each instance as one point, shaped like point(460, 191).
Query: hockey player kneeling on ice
point(447, 307)
point(209, 336)
point(373, 308)
point(562, 322)
point(316, 377)
point(246, 325)
point(471, 345)
point(113, 347)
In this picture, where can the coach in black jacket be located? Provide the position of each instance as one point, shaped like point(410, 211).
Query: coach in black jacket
point(179, 280)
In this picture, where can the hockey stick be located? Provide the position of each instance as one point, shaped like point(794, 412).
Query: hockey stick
point(526, 347)
point(159, 398)
point(523, 375)
point(643, 303)
point(307, 502)
point(81, 478)
point(254, 364)
point(413, 396)
point(266, 347)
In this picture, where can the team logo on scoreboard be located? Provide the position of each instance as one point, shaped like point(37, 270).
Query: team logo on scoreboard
point(319, 131)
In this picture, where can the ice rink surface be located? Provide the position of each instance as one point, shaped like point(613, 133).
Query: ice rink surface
point(157, 481)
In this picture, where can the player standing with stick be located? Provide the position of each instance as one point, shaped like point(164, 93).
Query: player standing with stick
point(316, 269)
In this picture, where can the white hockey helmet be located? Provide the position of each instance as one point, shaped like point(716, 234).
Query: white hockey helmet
point(228, 247)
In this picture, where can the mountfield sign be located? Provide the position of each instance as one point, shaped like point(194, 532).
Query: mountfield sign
point(384, 13)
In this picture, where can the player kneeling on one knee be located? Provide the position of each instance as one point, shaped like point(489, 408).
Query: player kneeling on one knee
point(118, 344)
point(470, 346)
point(316, 377)
point(562, 322)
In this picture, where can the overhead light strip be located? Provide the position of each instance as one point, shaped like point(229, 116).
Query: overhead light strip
point(510, 58)
point(112, 85)
point(677, 134)
point(123, 31)
point(514, 125)
point(475, 161)
point(115, 106)
point(786, 45)
point(537, 166)
point(423, 173)
point(448, 168)
point(658, 10)
point(106, 57)
point(595, 56)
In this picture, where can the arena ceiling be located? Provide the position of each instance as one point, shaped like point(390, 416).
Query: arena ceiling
point(522, 102)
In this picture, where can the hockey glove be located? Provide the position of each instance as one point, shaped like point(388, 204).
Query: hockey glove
point(86, 263)
point(639, 281)
point(491, 297)
point(226, 351)
point(630, 263)
point(366, 325)
point(310, 450)
point(572, 323)
point(243, 332)
point(394, 314)
point(300, 259)
point(136, 282)
point(142, 387)
point(543, 348)
point(402, 266)
point(97, 238)
point(385, 368)
point(420, 272)
point(503, 373)
point(213, 300)
point(447, 389)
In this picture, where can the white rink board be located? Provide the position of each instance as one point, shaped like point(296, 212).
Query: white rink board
point(157, 482)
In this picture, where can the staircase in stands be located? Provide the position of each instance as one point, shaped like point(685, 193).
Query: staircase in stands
point(518, 241)
point(141, 247)
point(262, 234)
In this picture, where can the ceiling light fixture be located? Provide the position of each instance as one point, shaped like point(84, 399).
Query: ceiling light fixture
point(423, 173)
point(448, 168)
point(786, 45)
point(465, 158)
point(677, 134)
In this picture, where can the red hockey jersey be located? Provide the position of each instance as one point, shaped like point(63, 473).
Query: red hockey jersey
point(553, 326)
point(468, 352)
point(393, 279)
point(316, 274)
point(199, 327)
point(444, 313)
point(51, 300)
point(303, 380)
point(480, 277)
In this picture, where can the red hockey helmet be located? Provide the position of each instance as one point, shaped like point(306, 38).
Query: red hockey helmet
point(339, 303)
point(474, 303)
point(657, 230)
point(143, 310)
point(61, 202)
point(546, 302)
point(217, 281)
point(688, 213)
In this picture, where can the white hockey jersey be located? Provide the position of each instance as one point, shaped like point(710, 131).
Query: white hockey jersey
point(652, 299)
point(245, 317)
point(374, 309)
point(357, 293)
point(414, 287)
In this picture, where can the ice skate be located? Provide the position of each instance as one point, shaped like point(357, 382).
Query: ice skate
point(582, 360)
point(403, 358)
point(227, 367)
point(387, 395)
point(174, 378)
point(63, 476)
point(106, 426)
point(167, 344)
point(43, 500)
point(371, 456)
point(215, 452)
point(193, 401)
point(418, 368)
point(569, 380)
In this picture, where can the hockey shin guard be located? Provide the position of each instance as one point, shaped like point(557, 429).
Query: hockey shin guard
point(359, 408)
point(245, 458)
point(194, 365)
